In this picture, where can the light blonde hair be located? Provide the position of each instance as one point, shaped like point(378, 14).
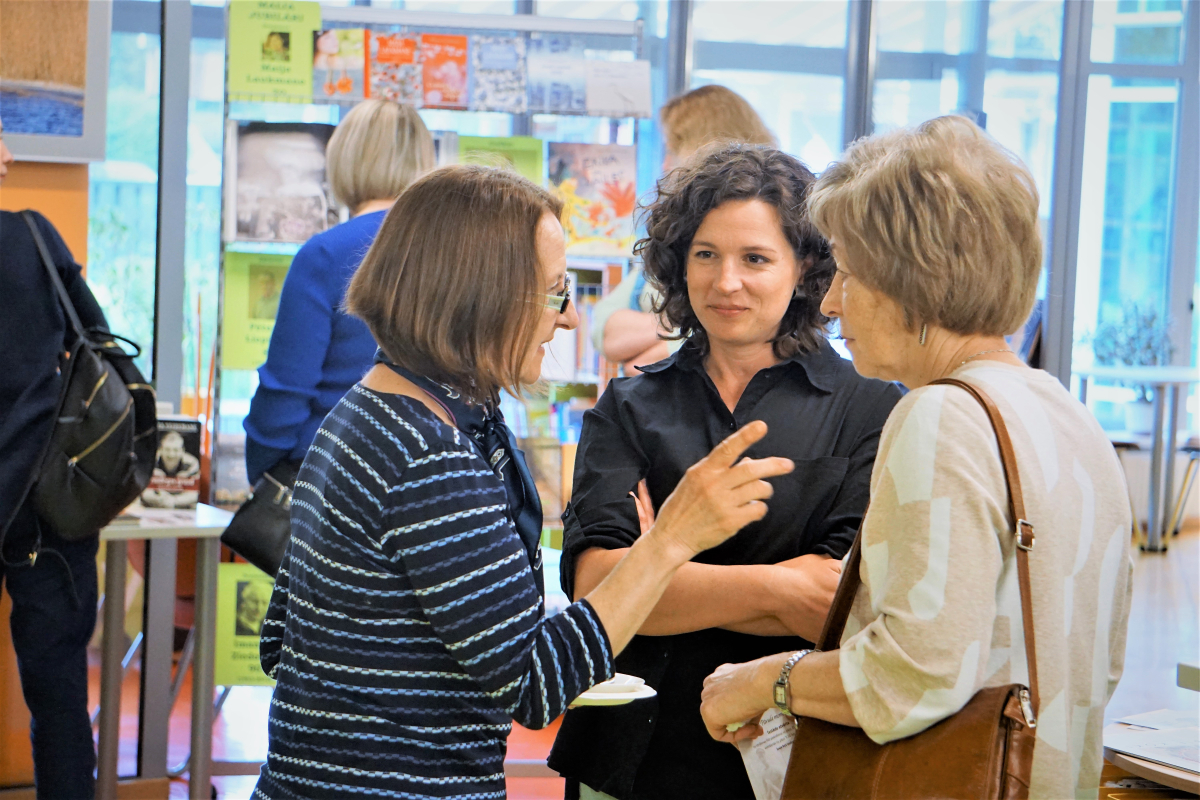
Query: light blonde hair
point(940, 218)
point(451, 287)
point(378, 149)
point(711, 114)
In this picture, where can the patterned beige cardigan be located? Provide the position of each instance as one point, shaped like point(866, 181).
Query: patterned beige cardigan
point(938, 614)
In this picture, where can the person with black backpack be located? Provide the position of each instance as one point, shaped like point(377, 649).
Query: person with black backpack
point(52, 581)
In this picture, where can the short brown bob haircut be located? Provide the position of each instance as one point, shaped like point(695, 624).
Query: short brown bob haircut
point(718, 175)
point(941, 219)
point(451, 288)
point(708, 115)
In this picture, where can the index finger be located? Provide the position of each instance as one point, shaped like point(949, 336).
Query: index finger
point(726, 454)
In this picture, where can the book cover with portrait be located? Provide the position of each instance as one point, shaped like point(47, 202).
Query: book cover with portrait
point(175, 479)
point(243, 596)
point(339, 65)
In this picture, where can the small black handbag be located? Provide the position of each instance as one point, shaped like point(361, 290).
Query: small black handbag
point(260, 529)
point(102, 449)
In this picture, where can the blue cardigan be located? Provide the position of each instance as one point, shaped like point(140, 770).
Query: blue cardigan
point(317, 352)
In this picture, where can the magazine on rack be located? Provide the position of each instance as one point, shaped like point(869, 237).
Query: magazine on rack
point(444, 70)
point(557, 75)
point(276, 189)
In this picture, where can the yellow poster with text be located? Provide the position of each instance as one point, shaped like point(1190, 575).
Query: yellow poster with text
point(243, 595)
point(271, 50)
point(253, 282)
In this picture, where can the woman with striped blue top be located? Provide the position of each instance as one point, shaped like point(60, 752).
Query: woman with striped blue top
point(407, 627)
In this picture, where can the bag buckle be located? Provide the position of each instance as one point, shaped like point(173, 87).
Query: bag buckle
point(1024, 534)
point(1027, 708)
point(283, 495)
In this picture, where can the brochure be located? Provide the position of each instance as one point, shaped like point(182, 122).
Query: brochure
point(278, 191)
point(395, 68)
point(598, 186)
point(243, 595)
point(521, 153)
point(766, 758)
point(618, 88)
point(498, 82)
point(253, 282)
point(270, 50)
point(1175, 747)
point(339, 64)
point(444, 70)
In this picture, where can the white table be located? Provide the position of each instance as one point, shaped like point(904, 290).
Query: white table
point(1151, 770)
point(161, 529)
point(1162, 456)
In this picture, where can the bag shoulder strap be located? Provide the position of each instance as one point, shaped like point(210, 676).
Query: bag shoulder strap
point(48, 262)
point(839, 611)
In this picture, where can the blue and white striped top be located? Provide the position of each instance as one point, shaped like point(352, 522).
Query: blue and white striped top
point(406, 631)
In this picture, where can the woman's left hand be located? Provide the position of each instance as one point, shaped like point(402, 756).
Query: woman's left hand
point(739, 693)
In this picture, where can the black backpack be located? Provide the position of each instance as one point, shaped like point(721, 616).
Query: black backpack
point(105, 438)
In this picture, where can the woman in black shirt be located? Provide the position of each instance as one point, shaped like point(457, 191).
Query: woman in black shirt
point(742, 273)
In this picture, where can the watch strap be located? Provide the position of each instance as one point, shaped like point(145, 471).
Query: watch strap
point(782, 688)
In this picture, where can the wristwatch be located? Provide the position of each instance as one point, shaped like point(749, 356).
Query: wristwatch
point(783, 685)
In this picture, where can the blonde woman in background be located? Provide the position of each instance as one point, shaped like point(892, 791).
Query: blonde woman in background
point(317, 351)
point(935, 234)
point(624, 327)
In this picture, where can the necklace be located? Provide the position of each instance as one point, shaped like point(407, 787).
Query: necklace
point(984, 353)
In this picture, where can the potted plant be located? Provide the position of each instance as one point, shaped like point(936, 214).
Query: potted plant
point(1139, 336)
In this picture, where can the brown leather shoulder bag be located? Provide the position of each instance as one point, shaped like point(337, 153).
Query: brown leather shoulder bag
point(984, 751)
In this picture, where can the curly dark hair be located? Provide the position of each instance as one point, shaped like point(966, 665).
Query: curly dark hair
point(736, 172)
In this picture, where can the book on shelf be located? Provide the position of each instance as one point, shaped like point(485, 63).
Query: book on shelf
point(498, 70)
point(598, 187)
point(340, 57)
point(444, 70)
point(525, 154)
point(275, 184)
point(557, 75)
point(394, 67)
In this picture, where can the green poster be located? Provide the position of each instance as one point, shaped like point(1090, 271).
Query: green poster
point(271, 50)
point(522, 153)
point(243, 594)
point(253, 282)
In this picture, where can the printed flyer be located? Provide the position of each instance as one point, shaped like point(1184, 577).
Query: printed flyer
point(444, 70)
point(395, 69)
point(521, 153)
point(253, 282)
point(598, 186)
point(498, 82)
point(339, 64)
point(243, 595)
point(270, 50)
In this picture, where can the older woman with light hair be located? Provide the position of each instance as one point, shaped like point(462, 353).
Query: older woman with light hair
point(317, 352)
point(935, 234)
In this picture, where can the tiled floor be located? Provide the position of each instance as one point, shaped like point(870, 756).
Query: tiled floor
point(1164, 628)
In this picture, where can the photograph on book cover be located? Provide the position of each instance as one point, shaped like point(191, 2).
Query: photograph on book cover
point(278, 191)
point(54, 78)
point(339, 64)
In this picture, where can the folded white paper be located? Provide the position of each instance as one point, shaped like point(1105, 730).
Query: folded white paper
point(766, 757)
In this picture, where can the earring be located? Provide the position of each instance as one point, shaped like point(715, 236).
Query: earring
point(924, 330)
point(798, 292)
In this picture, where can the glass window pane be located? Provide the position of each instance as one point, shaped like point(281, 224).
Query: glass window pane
point(923, 26)
point(1124, 222)
point(588, 9)
point(787, 59)
point(1025, 29)
point(807, 23)
point(899, 103)
point(123, 194)
point(1137, 31)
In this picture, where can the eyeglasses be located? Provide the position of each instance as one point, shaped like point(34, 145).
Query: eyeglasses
point(560, 300)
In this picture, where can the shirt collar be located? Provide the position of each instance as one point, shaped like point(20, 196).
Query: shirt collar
point(819, 366)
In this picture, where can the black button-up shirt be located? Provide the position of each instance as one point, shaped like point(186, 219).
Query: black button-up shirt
point(823, 416)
